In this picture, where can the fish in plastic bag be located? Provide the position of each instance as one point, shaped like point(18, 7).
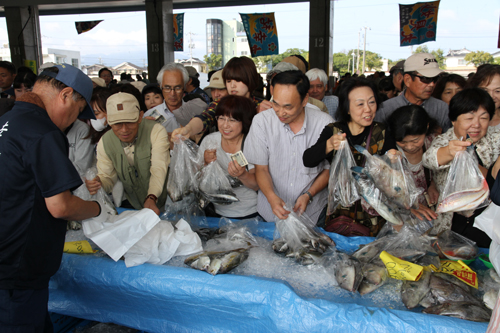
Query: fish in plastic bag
point(298, 237)
point(188, 209)
point(374, 197)
point(466, 188)
point(184, 165)
point(341, 185)
point(390, 176)
point(213, 186)
point(218, 262)
point(83, 193)
point(454, 246)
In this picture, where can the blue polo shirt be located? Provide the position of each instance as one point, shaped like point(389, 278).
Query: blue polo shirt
point(34, 165)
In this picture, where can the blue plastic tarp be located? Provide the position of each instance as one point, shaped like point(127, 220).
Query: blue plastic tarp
point(159, 298)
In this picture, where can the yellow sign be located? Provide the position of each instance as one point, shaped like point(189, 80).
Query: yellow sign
point(460, 270)
point(31, 64)
point(78, 247)
point(401, 269)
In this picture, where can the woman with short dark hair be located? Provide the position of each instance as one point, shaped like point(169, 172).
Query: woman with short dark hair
point(488, 79)
point(234, 116)
point(413, 130)
point(470, 113)
point(241, 79)
point(447, 86)
point(358, 103)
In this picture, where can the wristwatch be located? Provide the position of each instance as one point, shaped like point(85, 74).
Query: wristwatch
point(310, 196)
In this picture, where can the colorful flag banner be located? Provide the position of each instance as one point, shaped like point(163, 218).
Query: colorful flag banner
point(262, 33)
point(85, 26)
point(418, 23)
point(179, 32)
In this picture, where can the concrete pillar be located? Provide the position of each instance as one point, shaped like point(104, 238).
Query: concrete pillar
point(25, 42)
point(160, 35)
point(321, 35)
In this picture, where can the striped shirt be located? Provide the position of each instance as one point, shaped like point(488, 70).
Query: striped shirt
point(332, 104)
point(271, 142)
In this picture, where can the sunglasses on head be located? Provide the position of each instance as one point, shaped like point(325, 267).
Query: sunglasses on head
point(425, 79)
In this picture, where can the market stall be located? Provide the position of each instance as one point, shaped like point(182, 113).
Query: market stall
point(162, 298)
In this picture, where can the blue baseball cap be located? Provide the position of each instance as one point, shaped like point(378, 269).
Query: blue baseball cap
point(76, 79)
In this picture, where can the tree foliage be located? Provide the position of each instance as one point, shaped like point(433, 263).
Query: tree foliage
point(264, 63)
point(213, 61)
point(343, 60)
point(438, 54)
point(479, 58)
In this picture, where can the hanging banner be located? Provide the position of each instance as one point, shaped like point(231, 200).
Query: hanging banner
point(418, 23)
point(498, 46)
point(262, 33)
point(85, 26)
point(179, 32)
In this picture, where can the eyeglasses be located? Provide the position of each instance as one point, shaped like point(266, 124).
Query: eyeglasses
point(168, 89)
point(223, 119)
point(425, 79)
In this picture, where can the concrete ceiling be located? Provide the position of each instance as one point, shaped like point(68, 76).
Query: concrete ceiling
point(63, 7)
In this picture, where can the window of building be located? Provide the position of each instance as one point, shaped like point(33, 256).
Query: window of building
point(244, 40)
point(74, 62)
point(462, 62)
point(244, 52)
point(233, 39)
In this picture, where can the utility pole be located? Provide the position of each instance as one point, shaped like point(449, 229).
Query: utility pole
point(357, 63)
point(364, 51)
point(353, 54)
point(191, 46)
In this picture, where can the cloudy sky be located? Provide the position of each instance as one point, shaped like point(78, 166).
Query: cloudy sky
point(122, 36)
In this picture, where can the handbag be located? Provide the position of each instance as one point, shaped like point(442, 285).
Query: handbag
point(346, 225)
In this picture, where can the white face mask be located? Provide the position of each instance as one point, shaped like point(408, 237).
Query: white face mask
point(98, 124)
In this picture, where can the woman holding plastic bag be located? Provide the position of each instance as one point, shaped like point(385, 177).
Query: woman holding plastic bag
point(234, 116)
point(359, 101)
point(414, 132)
point(470, 113)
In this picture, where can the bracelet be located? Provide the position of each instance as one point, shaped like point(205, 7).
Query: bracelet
point(152, 197)
point(99, 205)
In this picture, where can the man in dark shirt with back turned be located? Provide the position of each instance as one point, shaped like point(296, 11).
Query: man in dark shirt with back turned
point(36, 201)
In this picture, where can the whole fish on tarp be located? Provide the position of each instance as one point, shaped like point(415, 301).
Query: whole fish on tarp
point(412, 292)
point(374, 197)
point(346, 269)
point(442, 291)
point(341, 185)
point(389, 176)
point(219, 262)
point(462, 310)
point(466, 188)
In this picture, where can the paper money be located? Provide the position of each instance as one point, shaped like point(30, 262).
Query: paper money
point(239, 158)
point(159, 118)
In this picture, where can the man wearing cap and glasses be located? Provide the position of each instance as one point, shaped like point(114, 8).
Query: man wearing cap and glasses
point(135, 151)
point(36, 201)
point(421, 72)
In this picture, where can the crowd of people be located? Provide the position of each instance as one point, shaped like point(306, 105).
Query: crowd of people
point(57, 125)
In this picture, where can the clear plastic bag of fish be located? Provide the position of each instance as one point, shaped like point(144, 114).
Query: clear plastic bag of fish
point(213, 186)
point(184, 165)
point(188, 209)
point(298, 237)
point(391, 177)
point(222, 158)
point(454, 246)
point(375, 198)
point(342, 186)
point(466, 188)
point(345, 268)
point(83, 193)
point(239, 231)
